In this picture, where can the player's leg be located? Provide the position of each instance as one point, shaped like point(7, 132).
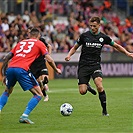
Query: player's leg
point(83, 80)
point(10, 82)
point(84, 87)
point(43, 80)
point(45, 77)
point(28, 81)
point(90, 89)
point(97, 77)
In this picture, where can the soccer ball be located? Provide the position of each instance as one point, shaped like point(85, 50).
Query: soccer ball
point(66, 109)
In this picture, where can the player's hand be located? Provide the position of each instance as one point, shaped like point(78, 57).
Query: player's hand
point(58, 71)
point(67, 58)
point(130, 55)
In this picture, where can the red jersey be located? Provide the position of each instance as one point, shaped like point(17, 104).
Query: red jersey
point(25, 52)
point(42, 7)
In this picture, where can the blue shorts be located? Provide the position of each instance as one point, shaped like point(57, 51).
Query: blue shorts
point(26, 79)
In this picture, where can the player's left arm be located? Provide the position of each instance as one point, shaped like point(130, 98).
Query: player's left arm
point(5, 62)
point(122, 50)
point(49, 48)
point(5, 65)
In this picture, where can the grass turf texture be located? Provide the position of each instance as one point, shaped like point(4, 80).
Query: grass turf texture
point(86, 117)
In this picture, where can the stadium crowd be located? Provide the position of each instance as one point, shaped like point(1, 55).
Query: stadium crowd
point(62, 30)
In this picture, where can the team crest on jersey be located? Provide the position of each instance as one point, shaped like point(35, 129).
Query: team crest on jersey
point(101, 39)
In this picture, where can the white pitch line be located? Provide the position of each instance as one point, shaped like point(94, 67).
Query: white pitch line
point(63, 90)
point(76, 90)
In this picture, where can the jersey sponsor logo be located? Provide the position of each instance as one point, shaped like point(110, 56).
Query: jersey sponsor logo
point(97, 45)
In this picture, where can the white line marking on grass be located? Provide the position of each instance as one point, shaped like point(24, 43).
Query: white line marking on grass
point(63, 90)
point(76, 90)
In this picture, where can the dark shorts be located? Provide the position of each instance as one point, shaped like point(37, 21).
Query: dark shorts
point(86, 72)
point(26, 79)
point(38, 70)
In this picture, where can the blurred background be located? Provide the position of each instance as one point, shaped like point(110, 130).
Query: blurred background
point(62, 21)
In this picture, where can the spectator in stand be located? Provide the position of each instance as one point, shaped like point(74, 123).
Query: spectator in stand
point(26, 16)
point(42, 9)
point(1, 29)
point(7, 47)
point(5, 25)
point(49, 16)
point(34, 19)
point(128, 21)
point(11, 17)
point(115, 18)
point(49, 28)
point(31, 3)
point(1, 45)
point(106, 6)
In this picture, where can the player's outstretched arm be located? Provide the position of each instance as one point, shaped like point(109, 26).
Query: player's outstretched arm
point(52, 63)
point(71, 52)
point(122, 50)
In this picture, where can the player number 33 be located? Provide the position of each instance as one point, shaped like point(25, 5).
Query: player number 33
point(30, 45)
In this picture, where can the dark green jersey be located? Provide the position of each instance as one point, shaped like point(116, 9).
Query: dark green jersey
point(91, 47)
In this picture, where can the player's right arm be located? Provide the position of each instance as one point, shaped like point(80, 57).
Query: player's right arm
point(52, 63)
point(71, 52)
point(122, 50)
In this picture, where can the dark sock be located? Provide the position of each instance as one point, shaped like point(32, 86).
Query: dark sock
point(91, 90)
point(44, 93)
point(102, 98)
point(45, 81)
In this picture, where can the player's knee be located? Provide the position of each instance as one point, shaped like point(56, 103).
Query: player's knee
point(82, 92)
point(100, 88)
point(82, 89)
point(40, 94)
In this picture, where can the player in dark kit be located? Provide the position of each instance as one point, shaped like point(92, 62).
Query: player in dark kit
point(40, 71)
point(89, 66)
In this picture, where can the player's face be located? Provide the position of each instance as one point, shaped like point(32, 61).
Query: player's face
point(94, 27)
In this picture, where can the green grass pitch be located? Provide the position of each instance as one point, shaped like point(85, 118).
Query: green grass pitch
point(86, 116)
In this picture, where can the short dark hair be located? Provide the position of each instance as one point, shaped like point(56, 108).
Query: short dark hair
point(95, 19)
point(34, 32)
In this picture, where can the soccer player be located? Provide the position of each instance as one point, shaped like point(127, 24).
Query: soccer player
point(40, 71)
point(22, 56)
point(89, 66)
